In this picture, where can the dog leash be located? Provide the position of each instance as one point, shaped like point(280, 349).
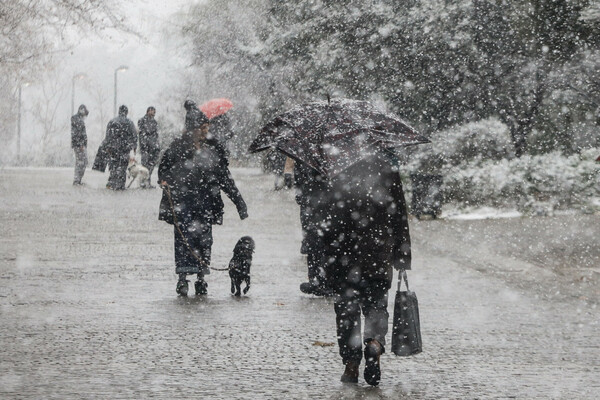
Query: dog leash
point(201, 261)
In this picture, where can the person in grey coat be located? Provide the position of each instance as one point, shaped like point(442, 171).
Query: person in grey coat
point(149, 144)
point(192, 172)
point(79, 142)
point(121, 138)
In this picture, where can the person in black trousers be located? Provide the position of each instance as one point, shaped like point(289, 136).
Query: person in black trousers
point(121, 138)
point(149, 144)
point(79, 142)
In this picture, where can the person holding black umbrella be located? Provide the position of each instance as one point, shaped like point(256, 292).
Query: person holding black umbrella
point(364, 234)
point(358, 210)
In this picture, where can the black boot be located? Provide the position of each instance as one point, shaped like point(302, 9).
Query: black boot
point(317, 287)
point(373, 351)
point(182, 287)
point(350, 375)
point(201, 287)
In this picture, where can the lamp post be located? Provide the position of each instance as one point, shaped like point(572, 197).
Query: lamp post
point(19, 120)
point(75, 77)
point(121, 68)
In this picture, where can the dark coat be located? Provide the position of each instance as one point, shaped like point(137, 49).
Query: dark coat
point(102, 157)
point(78, 134)
point(220, 128)
point(360, 221)
point(148, 133)
point(196, 178)
point(121, 136)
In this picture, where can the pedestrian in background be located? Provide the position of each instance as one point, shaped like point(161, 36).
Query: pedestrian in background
point(149, 143)
point(220, 129)
point(192, 172)
point(121, 139)
point(79, 143)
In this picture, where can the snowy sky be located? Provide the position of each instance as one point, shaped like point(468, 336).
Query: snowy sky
point(153, 65)
point(150, 60)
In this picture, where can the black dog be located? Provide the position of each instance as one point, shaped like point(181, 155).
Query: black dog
point(239, 266)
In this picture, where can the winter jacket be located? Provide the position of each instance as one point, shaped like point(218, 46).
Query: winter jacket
point(360, 220)
point(196, 178)
point(148, 133)
point(121, 136)
point(78, 134)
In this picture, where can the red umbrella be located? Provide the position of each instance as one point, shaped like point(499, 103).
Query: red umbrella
point(215, 107)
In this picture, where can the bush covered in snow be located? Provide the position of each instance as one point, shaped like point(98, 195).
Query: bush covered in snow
point(480, 169)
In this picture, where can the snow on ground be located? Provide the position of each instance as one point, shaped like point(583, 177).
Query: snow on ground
point(88, 305)
point(480, 213)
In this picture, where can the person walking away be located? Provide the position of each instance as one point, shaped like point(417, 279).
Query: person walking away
point(361, 214)
point(192, 172)
point(79, 143)
point(121, 138)
point(149, 144)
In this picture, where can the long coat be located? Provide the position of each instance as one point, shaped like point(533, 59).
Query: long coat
point(148, 132)
point(121, 136)
point(195, 179)
point(78, 134)
point(361, 222)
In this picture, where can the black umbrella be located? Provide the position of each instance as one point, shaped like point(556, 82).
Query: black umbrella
point(330, 136)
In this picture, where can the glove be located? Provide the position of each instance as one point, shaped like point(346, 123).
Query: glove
point(243, 213)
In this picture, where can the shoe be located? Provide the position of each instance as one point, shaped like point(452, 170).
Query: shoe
point(350, 375)
point(182, 287)
point(316, 289)
point(201, 287)
point(373, 351)
point(308, 287)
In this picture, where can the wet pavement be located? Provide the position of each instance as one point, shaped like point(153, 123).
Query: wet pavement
point(88, 306)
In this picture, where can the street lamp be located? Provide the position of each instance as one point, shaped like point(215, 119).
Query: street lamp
point(21, 85)
point(75, 77)
point(121, 68)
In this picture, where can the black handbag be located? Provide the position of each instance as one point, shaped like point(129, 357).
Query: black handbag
point(101, 159)
point(406, 332)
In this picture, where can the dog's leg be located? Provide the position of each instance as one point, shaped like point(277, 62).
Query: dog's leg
point(247, 285)
point(232, 286)
point(238, 289)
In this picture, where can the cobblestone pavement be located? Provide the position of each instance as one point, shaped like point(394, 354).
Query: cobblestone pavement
point(88, 306)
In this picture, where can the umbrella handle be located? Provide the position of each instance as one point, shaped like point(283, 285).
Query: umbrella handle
point(402, 275)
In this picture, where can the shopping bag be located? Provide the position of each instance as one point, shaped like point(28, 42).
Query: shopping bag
point(406, 331)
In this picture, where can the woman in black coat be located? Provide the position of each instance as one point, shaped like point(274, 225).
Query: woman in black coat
point(192, 173)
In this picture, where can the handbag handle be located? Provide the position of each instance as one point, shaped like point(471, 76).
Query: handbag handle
point(400, 277)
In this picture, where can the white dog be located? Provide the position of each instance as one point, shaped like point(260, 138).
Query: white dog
point(139, 172)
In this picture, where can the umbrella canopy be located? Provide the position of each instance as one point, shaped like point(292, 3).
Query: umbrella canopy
point(215, 107)
point(332, 136)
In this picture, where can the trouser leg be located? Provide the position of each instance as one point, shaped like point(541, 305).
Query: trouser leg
point(80, 163)
point(149, 159)
point(118, 172)
point(314, 268)
point(199, 239)
point(347, 313)
point(374, 300)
